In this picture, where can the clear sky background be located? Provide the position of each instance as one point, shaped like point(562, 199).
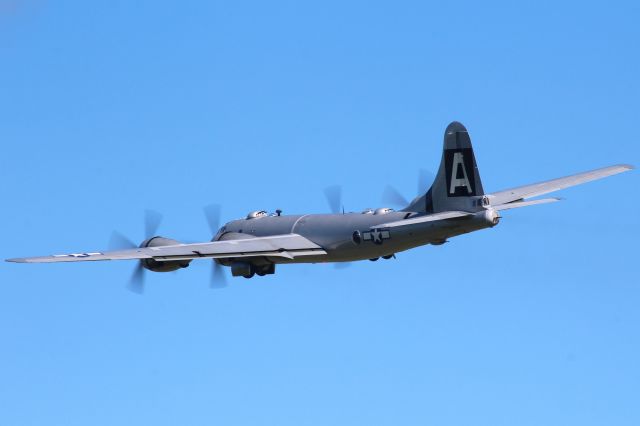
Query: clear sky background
point(109, 108)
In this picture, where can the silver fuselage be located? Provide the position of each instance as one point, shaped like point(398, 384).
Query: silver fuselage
point(335, 233)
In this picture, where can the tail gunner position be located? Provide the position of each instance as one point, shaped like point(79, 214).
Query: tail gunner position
point(455, 204)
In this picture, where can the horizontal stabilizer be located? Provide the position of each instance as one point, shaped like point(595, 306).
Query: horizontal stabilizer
point(541, 188)
point(516, 204)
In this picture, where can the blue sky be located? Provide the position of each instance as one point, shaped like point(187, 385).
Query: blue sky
point(109, 108)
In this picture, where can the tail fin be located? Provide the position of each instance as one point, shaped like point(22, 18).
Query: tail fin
point(457, 185)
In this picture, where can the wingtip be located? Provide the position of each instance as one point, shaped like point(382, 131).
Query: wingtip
point(16, 260)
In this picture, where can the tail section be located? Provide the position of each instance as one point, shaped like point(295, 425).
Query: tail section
point(457, 185)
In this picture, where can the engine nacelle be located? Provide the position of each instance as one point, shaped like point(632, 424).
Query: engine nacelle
point(162, 266)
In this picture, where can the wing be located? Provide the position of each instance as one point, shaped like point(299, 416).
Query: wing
point(289, 246)
point(533, 190)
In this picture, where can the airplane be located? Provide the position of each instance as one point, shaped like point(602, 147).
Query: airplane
point(455, 204)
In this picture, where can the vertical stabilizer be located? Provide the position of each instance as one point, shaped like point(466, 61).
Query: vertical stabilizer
point(457, 185)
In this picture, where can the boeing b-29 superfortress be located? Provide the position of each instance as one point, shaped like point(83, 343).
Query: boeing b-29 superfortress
point(455, 204)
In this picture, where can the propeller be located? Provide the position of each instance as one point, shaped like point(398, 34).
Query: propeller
point(218, 278)
point(212, 214)
point(136, 282)
point(152, 220)
point(120, 242)
point(425, 179)
point(394, 197)
point(334, 198)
